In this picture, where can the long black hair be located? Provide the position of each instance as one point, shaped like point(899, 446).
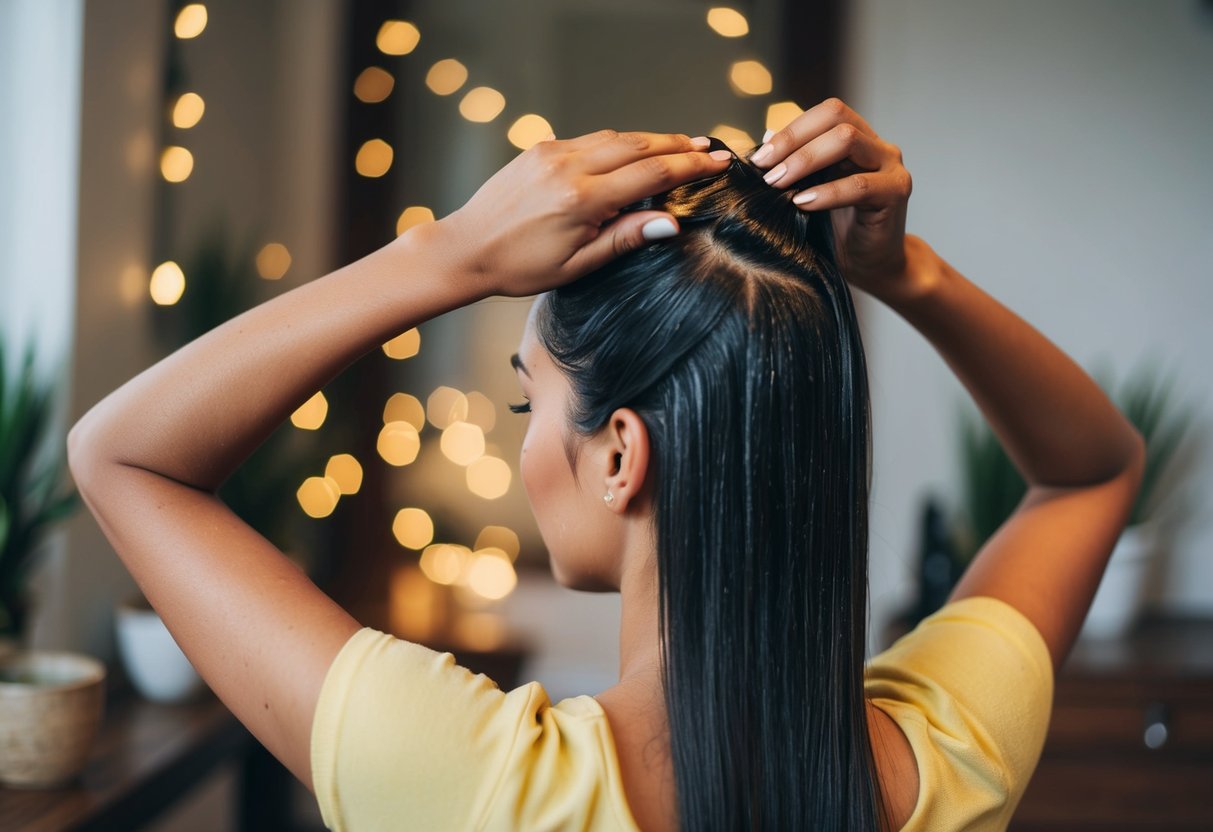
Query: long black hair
point(737, 344)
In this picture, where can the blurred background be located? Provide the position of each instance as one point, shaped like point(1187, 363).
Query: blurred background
point(164, 166)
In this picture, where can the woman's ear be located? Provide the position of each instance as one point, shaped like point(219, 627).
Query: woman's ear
point(626, 451)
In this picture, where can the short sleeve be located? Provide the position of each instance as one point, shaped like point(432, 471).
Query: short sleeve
point(405, 738)
point(972, 689)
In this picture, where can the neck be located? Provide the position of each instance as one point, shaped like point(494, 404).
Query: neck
point(639, 657)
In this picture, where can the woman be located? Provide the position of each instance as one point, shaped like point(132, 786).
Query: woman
point(698, 441)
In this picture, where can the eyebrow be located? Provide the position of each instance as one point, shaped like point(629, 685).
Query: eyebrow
point(516, 363)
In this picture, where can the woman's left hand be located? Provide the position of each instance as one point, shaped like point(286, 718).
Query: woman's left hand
point(552, 214)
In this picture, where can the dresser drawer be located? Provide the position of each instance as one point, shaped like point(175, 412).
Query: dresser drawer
point(1152, 726)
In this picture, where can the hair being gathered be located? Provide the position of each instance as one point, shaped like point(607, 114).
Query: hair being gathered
point(738, 346)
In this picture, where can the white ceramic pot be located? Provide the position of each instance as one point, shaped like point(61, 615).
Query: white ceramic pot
point(1120, 599)
point(152, 660)
point(50, 709)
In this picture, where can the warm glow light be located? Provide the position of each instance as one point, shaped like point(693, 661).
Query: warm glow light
point(482, 104)
point(462, 443)
point(402, 407)
point(446, 76)
point(373, 85)
point(781, 113)
point(404, 345)
point(491, 574)
point(398, 443)
point(446, 405)
point(188, 110)
point(480, 631)
point(397, 37)
point(750, 78)
point(488, 477)
point(738, 140)
point(528, 130)
point(318, 496)
point(444, 563)
point(481, 411)
point(374, 158)
point(727, 22)
point(411, 216)
point(176, 163)
point(273, 261)
point(499, 537)
point(310, 415)
point(190, 22)
point(346, 471)
point(167, 283)
point(413, 528)
point(416, 609)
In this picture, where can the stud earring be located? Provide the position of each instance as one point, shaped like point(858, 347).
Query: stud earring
point(609, 498)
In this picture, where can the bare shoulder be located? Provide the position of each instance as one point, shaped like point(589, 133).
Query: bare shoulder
point(896, 766)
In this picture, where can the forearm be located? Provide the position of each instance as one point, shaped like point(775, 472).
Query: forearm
point(1059, 428)
point(197, 414)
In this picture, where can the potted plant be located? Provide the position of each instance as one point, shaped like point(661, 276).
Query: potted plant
point(50, 703)
point(992, 487)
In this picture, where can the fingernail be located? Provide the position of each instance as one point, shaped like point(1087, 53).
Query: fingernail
point(766, 137)
point(804, 197)
point(701, 142)
point(658, 229)
point(775, 172)
point(721, 155)
point(762, 154)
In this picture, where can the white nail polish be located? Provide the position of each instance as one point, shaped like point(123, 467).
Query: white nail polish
point(762, 154)
point(774, 173)
point(804, 197)
point(658, 229)
point(766, 137)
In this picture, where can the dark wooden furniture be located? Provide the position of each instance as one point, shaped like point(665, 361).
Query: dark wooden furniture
point(1130, 744)
point(146, 757)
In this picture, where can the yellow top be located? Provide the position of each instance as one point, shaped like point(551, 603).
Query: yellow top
point(404, 738)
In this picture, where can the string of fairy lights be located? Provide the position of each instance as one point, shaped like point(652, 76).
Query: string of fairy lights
point(462, 420)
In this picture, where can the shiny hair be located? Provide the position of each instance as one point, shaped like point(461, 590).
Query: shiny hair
point(737, 344)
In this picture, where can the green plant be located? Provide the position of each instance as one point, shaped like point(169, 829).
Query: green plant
point(992, 486)
point(30, 498)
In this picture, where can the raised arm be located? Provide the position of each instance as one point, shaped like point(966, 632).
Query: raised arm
point(148, 457)
point(1082, 459)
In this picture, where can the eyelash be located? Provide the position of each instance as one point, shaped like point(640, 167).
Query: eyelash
point(524, 407)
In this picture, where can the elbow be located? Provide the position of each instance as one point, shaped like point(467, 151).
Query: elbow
point(80, 452)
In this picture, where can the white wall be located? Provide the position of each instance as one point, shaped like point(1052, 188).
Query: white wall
point(1060, 154)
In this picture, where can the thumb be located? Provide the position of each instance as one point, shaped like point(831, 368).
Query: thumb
point(623, 234)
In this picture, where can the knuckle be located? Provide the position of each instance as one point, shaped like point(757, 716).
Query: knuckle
point(896, 151)
point(570, 196)
point(861, 184)
point(905, 183)
point(848, 134)
point(638, 141)
point(606, 133)
point(658, 170)
point(834, 105)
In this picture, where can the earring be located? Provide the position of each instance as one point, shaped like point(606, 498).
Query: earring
point(609, 498)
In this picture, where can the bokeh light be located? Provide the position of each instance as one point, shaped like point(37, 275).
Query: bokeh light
point(445, 563)
point(488, 477)
point(318, 496)
point(738, 140)
point(273, 261)
point(727, 22)
point(501, 537)
point(481, 411)
point(405, 345)
point(190, 21)
point(311, 414)
point(176, 163)
point(402, 407)
point(446, 405)
point(188, 110)
point(781, 113)
point(446, 76)
point(528, 130)
point(373, 85)
point(482, 104)
point(398, 443)
point(167, 283)
point(411, 216)
point(397, 37)
point(491, 574)
point(413, 528)
point(750, 78)
point(462, 442)
point(374, 158)
point(346, 471)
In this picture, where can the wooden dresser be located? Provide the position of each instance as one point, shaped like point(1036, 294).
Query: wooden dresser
point(1130, 744)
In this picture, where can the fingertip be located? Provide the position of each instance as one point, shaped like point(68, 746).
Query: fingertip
point(659, 228)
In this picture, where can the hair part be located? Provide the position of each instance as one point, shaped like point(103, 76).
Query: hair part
point(738, 346)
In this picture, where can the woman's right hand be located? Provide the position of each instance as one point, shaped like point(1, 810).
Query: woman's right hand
point(868, 201)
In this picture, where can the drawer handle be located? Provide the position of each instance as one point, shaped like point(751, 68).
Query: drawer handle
point(1156, 728)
